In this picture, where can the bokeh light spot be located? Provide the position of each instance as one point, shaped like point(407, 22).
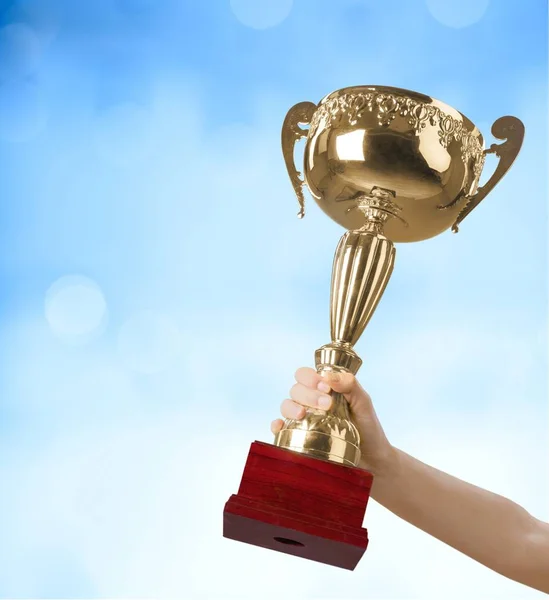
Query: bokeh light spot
point(261, 14)
point(19, 51)
point(75, 308)
point(44, 16)
point(458, 13)
point(149, 342)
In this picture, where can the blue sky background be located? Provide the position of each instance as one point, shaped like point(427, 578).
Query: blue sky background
point(159, 291)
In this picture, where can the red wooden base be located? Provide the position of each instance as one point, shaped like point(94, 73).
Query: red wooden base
point(300, 505)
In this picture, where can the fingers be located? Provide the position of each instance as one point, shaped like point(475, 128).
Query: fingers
point(289, 410)
point(312, 390)
point(312, 397)
point(344, 383)
point(292, 410)
point(307, 377)
point(276, 426)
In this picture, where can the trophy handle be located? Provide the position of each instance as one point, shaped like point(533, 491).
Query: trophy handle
point(510, 129)
point(291, 132)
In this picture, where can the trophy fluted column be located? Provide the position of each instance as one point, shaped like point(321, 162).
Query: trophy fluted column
point(363, 264)
point(362, 267)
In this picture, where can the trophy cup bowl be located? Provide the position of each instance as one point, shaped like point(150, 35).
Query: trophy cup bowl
point(425, 152)
point(388, 165)
point(429, 155)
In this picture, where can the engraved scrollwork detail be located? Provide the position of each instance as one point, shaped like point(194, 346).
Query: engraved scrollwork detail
point(449, 128)
point(356, 106)
point(387, 107)
point(420, 115)
point(479, 165)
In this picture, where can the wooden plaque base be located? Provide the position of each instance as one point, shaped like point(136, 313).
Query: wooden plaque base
point(300, 505)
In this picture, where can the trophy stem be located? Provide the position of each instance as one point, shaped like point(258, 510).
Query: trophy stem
point(363, 264)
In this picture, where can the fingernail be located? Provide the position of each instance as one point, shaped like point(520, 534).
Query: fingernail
point(335, 376)
point(323, 387)
point(324, 401)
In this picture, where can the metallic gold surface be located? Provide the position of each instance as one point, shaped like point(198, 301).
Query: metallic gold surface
point(427, 153)
point(505, 128)
point(389, 165)
point(291, 133)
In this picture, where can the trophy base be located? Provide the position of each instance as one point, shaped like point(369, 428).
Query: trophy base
point(300, 505)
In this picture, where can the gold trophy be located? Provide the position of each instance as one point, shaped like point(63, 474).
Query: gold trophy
point(389, 165)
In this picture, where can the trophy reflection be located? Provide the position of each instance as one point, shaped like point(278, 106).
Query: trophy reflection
point(388, 165)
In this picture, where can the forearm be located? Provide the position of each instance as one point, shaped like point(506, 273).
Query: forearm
point(489, 528)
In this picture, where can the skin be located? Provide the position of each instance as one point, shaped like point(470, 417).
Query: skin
point(486, 527)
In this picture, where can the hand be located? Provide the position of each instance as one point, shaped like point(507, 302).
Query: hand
point(313, 390)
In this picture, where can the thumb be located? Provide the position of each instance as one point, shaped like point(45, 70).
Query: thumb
point(375, 446)
point(347, 384)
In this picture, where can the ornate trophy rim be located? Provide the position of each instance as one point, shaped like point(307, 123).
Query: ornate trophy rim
point(416, 96)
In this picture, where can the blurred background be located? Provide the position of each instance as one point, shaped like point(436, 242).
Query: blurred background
point(158, 290)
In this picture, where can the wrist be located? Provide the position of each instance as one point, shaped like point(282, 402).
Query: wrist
point(384, 465)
